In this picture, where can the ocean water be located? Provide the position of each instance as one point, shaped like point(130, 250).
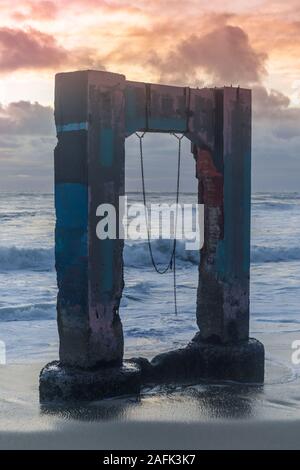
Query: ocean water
point(28, 282)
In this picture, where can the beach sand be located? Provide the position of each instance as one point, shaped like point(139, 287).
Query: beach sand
point(205, 416)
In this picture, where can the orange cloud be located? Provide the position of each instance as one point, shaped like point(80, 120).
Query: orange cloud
point(223, 54)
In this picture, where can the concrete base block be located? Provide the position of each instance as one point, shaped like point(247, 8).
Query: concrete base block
point(61, 383)
point(241, 362)
point(199, 361)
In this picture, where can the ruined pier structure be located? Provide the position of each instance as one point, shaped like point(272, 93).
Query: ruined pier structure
point(94, 113)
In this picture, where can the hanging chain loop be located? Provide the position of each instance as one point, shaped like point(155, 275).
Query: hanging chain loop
point(171, 265)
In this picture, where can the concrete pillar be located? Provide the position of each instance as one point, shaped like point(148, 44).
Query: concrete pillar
point(223, 164)
point(89, 170)
point(94, 111)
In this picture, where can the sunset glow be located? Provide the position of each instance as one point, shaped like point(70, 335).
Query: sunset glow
point(151, 41)
point(196, 43)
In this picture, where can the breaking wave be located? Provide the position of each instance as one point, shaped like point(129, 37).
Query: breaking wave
point(136, 254)
point(39, 259)
point(270, 254)
point(43, 311)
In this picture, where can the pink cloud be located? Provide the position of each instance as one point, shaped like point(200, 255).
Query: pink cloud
point(30, 49)
point(33, 50)
point(225, 53)
point(31, 10)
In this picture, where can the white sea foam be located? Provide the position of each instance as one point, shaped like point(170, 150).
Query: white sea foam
point(136, 254)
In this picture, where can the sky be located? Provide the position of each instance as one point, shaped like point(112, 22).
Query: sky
point(254, 44)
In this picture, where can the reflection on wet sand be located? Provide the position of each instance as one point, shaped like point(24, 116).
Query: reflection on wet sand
point(190, 403)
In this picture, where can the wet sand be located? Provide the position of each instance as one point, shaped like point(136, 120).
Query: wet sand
point(205, 416)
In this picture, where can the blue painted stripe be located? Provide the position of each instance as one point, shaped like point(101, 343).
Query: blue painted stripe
point(71, 242)
point(71, 204)
point(71, 261)
point(74, 126)
point(71, 245)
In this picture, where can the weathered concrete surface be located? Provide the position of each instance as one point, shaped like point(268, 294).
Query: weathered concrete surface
point(94, 112)
point(89, 170)
point(156, 108)
point(199, 361)
point(241, 362)
point(222, 152)
point(62, 383)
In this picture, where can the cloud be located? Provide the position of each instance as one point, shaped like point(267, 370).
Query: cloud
point(30, 156)
point(276, 141)
point(27, 140)
point(85, 58)
point(25, 118)
point(219, 54)
point(48, 10)
point(224, 53)
point(32, 10)
point(217, 43)
point(29, 49)
point(269, 103)
point(272, 110)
